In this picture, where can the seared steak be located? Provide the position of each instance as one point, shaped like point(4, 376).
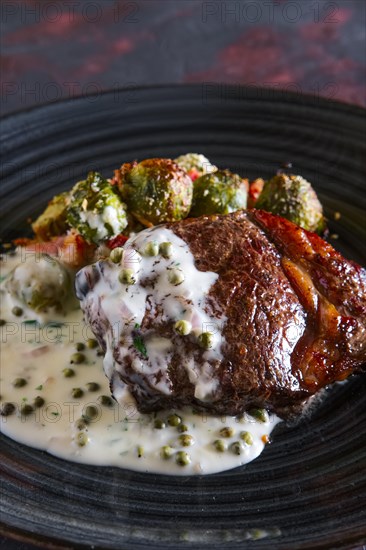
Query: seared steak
point(246, 310)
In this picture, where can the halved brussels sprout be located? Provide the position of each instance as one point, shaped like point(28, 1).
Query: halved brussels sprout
point(195, 165)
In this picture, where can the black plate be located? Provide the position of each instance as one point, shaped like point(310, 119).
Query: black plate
point(307, 490)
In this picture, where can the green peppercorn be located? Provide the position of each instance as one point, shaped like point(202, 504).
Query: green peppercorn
point(175, 277)
point(91, 412)
point(151, 249)
point(81, 423)
point(38, 402)
point(92, 386)
point(166, 452)
point(246, 437)
point(19, 382)
point(166, 249)
point(2, 322)
point(220, 445)
point(82, 439)
point(259, 414)
point(92, 343)
point(26, 409)
point(236, 448)
point(174, 420)
point(182, 428)
point(105, 400)
point(206, 339)
point(185, 440)
point(116, 255)
point(127, 277)
point(80, 346)
point(182, 458)
point(77, 358)
point(140, 451)
point(159, 424)
point(17, 311)
point(227, 432)
point(68, 373)
point(183, 327)
point(77, 392)
point(7, 409)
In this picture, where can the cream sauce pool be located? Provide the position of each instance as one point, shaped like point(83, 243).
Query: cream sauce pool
point(64, 408)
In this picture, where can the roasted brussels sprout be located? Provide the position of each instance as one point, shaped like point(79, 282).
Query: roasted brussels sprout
point(41, 282)
point(96, 209)
point(196, 165)
point(155, 190)
point(293, 198)
point(219, 193)
point(52, 221)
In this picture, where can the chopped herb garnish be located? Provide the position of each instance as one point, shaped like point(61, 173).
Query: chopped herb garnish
point(140, 345)
point(55, 413)
point(137, 325)
point(30, 322)
point(40, 387)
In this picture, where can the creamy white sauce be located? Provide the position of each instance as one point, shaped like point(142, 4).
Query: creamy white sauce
point(119, 435)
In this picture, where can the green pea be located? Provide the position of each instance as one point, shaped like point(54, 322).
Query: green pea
point(220, 445)
point(7, 409)
point(81, 423)
point(116, 255)
point(68, 373)
point(38, 402)
point(91, 412)
point(166, 249)
point(227, 432)
point(77, 392)
point(159, 424)
point(183, 327)
point(259, 414)
point(127, 277)
point(26, 409)
point(80, 346)
point(92, 343)
point(236, 448)
point(182, 428)
point(166, 452)
point(151, 249)
point(176, 277)
point(105, 400)
point(92, 386)
point(206, 339)
point(17, 311)
point(19, 382)
point(246, 437)
point(182, 458)
point(185, 440)
point(174, 420)
point(77, 358)
point(82, 439)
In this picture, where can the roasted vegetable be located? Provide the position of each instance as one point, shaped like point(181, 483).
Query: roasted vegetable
point(52, 222)
point(40, 283)
point(293, 198)
point(155, 190)
point(196, 165)
point(219, 193)
point(96, 209)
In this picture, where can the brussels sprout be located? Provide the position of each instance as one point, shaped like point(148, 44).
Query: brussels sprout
point(52, 221)
point(41, 282)
point(96, 210)
point(196, 165)
point(219, 193)
point(293, 198)
point(155, 190)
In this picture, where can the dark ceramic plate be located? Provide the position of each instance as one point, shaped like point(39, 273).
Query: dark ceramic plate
point(308, 489)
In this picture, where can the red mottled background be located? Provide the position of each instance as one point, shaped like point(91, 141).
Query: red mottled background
point(56, 49)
